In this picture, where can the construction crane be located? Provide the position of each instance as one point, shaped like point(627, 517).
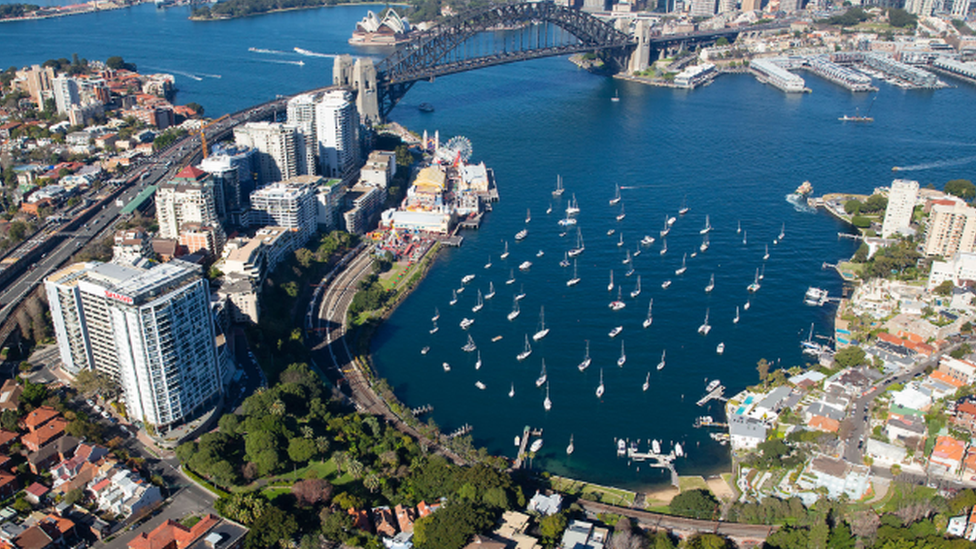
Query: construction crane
point(202, 132)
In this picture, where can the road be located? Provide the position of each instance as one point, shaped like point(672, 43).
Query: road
point(657, 521)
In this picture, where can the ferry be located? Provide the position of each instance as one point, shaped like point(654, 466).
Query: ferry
point(815, 296)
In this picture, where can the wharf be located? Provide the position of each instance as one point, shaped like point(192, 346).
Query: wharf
point(472, 222)
point(527, 432)
point(707, 421)
point(660, 461)
point(716, 394)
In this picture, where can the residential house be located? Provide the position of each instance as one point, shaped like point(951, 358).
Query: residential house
point(583, 535)
point(959, 369)
point(746, 432)
point(948, 453)
point(405, 517)
point(822, 423)
point(39, 417)
point(384, 522)
point(904, 428)
point(123, 492)
point(49, 532)
point(360, 519)
point(825, 410)
point(965, 417)
point(10, 395)
point(50, 454)
point(837, 477)
point(912, 397)
point(545, 505)
point(173, 535)
point(49, 431)
point(8, 484)
point(769, 407)
point(7, 439)
point(36, 492)
point(885, 454)
point(68, 469)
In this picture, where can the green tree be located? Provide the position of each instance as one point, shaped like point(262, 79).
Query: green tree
point(853, 207)
point(898, 17)
point(451, 527)
point(700, 504)
point(90, 382)
point(875, 203)
point(963, 188)
point(849, 357)
point(300, 450)
point(404, 158)
point(722, 41)
point(274, 528)
point(552, 526)
point(763, 368)
point(34, 393)
point(304, 257)
point(195, 107)
point(945, 288)
point(861, 255)
point(708, 541)
point(117, 63)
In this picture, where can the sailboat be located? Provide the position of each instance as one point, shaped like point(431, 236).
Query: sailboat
point(660, 365)
point(684, 208)
point(747, 305)
point(637, 251)
point(565, 260)
point(504, 255)
point(437, 315)
point(610, 285)
point(435, 328)
point(623, 356)
point(579, 244)
point(515, 310)
point(621, 215)
point(738, 227)
point(618, 303)
point(704, 244)
point(627, 259)
point(600, 388)
point(616, 196)
point(549, 209)
point(528, 215)
point(620, 243)
point(649, 319)
point(488, 265)
point(575, 280)
point(573, 207)
point(610, 231)
point(521, 295)
point(630, 272)
point(754, 287)
point(782, 232)
point(543, 331)
point(453, 300)
point(647, 382)
point(636, 291)
point(525, 353)
point(559, 186)
point(762, 273)
point(547, 403)
point(711, 284)
point(511, 392)
point(707, 227)
point(491, 290)
point(570, 448)
point(705, 327)
point(480, 305)
point(684, 266)
point(766, 255)
point(664, 249)
point(665, 284)
point(511, 277)
point(586, 358)
point(615, 331)
point(542, 375)
point(745, 237)
point(667, 227)
point(469, 347)
point(721, 348)
point(477, 363)
point(736, 319)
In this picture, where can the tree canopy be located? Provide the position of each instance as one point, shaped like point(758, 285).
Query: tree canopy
point(963, 188)
point(699, 504)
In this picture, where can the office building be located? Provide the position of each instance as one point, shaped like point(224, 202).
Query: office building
point(281, 149)
point(951, 229)
point(960, 8)
point(751, 5)
point(233, 170)
point(702, 8)
point(150, 330)
point(901, 204)
point(65, 93)
point(337, 134)
point(364, 202)
point(188, 198)
point(290, 204)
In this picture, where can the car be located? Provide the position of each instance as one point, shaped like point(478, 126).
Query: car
point(105, 415)
point(98, 409)
point(90, 402)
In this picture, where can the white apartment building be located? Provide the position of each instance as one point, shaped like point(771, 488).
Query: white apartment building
point(281, 149)
point(329, 198)
point(188, 199)
point(337, 133)
point(290, 204)
point(66, 94)
point(150, 330)
point(301, 114)
point(901, 204)
point(951, 229)
point(702, 8)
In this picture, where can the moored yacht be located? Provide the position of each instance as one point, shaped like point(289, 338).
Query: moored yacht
point(526, 352)
point(616, 196)
point(721, 348)
point(623, 356)
point(621, 215)
point(660, 365)
point(647, 382)
point(542, 375)
point(491, 290)
point(511, 277)
point(515, 310)
point(469, 347)
point(547, 404)
point(647, 240)
point(600, 388)
point(610, 285)
point(543, 331)
point(575, 280)
point(705, 327)
point(707, 228)
point(488, 265)
point(435, 328)
point(522, 234)
point(650, 319)
point(684, 266)
point(573, 207)
point(466, 323)
point(754, 287)
point(453, 300)
point(504, 255)
point(559, 186)
point(467, 278)
point(711, 284)
point(665, 284)
point(616, 331)
point(586, 358)
point(525, 266)
point(479, 305)
point(636, 291)
point(618, 303)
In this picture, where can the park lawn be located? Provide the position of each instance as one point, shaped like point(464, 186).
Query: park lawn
point(389, 279)
point(271, 493)
point(692, 483)
point(322, 469)
point(608, 495)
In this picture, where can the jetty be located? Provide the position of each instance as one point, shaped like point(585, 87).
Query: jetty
point(425, 409)
point(527, 432)
point(707, 421)
point(463, 430)
point(715, 394)
point(660, 461)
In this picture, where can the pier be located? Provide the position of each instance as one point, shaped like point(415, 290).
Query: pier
point(660, 461)
point(716, 394)
point(425, 409)
point(707, 421)
point(527, 432)
point(463, 430)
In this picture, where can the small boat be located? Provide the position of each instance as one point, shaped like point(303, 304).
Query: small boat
point(425, 350)
point(515, 311)
point(621, 448)
point(736, 319)
point(684, 208)
point(665, 284)
point(647, 240)
point(655, 446)
point(738, 227)
point(425, 107)
point(747, 305)
point(684, 267)
point(511, 393)
point(547, 404)
point(570, 448)
point(479, 385)
point(586, 358)
point(469, 347)
point(600, 388)
point(627, 259)
point(610, 285)
point(637, 251)
point(488, 265)
point(504, 255)
point(660, 365)
point(667, 227)
point(677, 450)
point(766, 255)
point(575, 280)
point(704, 244)
point(565, 260)
point(745, 237)
point(762, 273)
point(754, 287)
point(623, 356)
point(630, 272)
point(540, 253)
point(559, 186)
point(435, 328)
point(453, 300)
point(543, 331)
point(466, 323)
point(566, 222)
point(496, 339)
point(705, 327)
point(437, 315)
point(521, 234)
point(616, 196)
point(477, 363)
point(528, 215)
point(815, 296)
point(542, 375)
point(650, 319)
point(579, 244)
point(511, 277)
point(479, 305)
point(636, 291)
point(491, 290)
point(616, 331)
point(671, 220)
point(647, 382)
point(521, 295)
point(620, 242)
point(549, 209)
point(721, 348)
point(618, 303)
point(572, 208)
point(713, 385)
point(711, 284)
point(782, 232)
point(446, 366)
point(616, 97)
point(621, 215)
point(525, 266)
point(707, 227)
point(460, 290)
point(518, 441)
point(664, 248)
point(467, 278)
point(526, 352)
point(537, 444)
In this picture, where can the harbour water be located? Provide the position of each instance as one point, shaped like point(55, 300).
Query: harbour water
point(734, 148)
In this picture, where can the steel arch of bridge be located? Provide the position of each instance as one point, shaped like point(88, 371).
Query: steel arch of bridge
point(427, 55)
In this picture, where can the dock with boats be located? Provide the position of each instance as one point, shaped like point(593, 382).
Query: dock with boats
point(715, 394)
point(654, 457)
point(527, 433)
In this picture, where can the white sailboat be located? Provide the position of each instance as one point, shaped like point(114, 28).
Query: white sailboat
point(620, 242)
point(711, 284)
point(547, 403)
point(704, 244)
point(621, 215)
point(647, 382)
point(528, 215)
point(488, 265)
point(745, 237)
point(782, 232)
point(435, 328)
point(542, 375)
point(630, 272)
point(665, 284)
point(526, 352)
point(565, 260)
point(491, 290)
point(586, 358)
point(575, 280)
point(705, 327)
point(453, 300)
point(766, 255)
point(664, 249)
point(628, 259)
point(650, 319)
point(721, 348)
point(477, 363)
point(747, 305)
point(504, 255)
point(736, 319)
point(466, 323)
point(684, 208)
point(623, 356)
point(616, 331)
point(738, 227)
point(469, 347)
point(610, 285)
point(600, 388)
point(637, 251)
point(754, 287)
point(515, 310)
point(559, 186)
point(616, 196)
point(660, 365)
point(579, 244)
point(707, 227)
point(543, 331)
point(572, 208)
point(570, 448)
point(437, 315)
point(684, 266)
point(667, 227)
point(511, 392)
point(480, 305)
point(511, 277)
point(549, 209)
point(521, 295)
point(610, 231)
point(762, 273)
point(618, 304)
point(636, 291)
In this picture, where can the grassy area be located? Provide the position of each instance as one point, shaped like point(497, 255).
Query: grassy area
point(605, 494)
point(389, 279)
point(209, 487)
point(316, 469)
point(190, 521)
point(692, 483)
point(852, 268)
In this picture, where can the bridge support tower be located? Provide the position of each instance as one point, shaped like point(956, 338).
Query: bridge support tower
point(640, 59)
point(360, 75)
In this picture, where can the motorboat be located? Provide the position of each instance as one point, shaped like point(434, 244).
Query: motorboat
point(536, 445)
point(540, 253)
point(521, 234)
point(713, 385)
point(616, 331)
point(815, 296)
point(425, 350)
point(479, 385)
point(647, 240)
point(665, 285)
point(566, 222)
point(525, 266)
point(621, 448)
point(721, 348)
point(467, 279)
point(446, 366)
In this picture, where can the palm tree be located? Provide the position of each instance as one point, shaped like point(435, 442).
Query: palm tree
point(372, 482)
point(355, 468)
point(277, 407)
point(322, 444)
point(307, 431)
point(340, 459)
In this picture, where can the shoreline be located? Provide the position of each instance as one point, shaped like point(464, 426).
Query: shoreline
point(284, 10)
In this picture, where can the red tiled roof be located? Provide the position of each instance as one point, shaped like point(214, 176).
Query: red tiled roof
point(6, 478)
point(100, 485)
point(7, 437)
point(46, 433)
point(824, 423)
point(948, 448)
point(171, 532)
point(967, 407)
point(37, 490)
point(946, 378)
point(191, 172)
point(39, 417)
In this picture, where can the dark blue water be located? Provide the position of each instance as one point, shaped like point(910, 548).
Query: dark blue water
point(735, 149)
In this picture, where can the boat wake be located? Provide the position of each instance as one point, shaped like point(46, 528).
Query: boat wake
point(272, 52)
point(181, 73)
point(307, 53)
point(283, 62)
point(937, 164)
point(799, 203)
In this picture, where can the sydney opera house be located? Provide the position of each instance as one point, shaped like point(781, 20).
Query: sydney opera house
point(371, 31)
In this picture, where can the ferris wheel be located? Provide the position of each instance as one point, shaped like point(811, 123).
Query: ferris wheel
point(456, 147)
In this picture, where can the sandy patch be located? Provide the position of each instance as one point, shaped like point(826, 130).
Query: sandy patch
point(720, 488)
point(660, 496)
